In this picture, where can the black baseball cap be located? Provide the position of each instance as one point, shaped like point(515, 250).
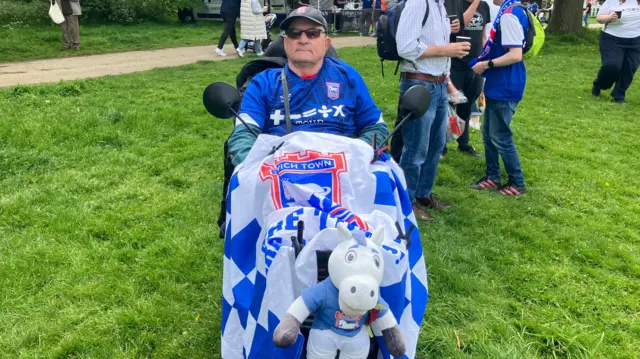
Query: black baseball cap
point(305, 12)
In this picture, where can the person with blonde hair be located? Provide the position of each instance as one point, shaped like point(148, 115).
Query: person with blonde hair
point(619, 47)
point(252, 26)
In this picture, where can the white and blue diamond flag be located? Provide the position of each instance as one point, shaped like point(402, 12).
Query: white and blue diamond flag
point(320, 179)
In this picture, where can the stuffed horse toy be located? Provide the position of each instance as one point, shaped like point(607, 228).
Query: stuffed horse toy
point(343, 303)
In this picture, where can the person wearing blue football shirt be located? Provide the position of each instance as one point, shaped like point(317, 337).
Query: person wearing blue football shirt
point(325, 94)
point(533, 7)
point(502, 66)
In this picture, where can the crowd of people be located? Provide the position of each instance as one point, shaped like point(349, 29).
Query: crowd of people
point(444, 55)
point(469, 47)
point(462, 48)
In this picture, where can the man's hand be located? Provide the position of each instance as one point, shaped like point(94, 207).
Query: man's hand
point(613, 17)
point(457, 49)
point(455, 26)
point(480, 67)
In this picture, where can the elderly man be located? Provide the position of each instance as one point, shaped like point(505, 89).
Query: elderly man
point(325, 94)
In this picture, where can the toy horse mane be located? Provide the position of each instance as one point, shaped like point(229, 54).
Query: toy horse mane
point(360, 238)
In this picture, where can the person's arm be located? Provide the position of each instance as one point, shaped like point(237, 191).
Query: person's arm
point(607, 13)
point(468, 15)
point(454, 49)
point(484, 35)
point(240, 143)
point(408, 37)
point(607, 18)
point(368, 116)
point(253, 111)
point(487, 21)
point(380, 130)
point(512, 38)
point(408, 33)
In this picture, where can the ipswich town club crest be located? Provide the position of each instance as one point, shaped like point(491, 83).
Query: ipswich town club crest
point(310, 168)
point(333, 90)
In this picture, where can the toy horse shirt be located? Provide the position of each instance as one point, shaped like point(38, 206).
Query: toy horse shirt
point(344, 302)
point(322, 299)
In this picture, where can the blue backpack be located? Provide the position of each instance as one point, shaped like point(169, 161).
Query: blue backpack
point(386, 33)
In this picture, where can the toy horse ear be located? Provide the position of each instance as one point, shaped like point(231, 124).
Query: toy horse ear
point(345, 235)
point(378, 236)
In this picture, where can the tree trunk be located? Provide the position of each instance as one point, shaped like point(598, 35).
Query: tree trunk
point(566, 17)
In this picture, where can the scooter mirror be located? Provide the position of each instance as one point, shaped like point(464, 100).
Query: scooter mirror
point(221, 99)
point(413, 104)
point(416, 100)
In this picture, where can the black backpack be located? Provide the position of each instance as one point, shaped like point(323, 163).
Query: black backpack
point(386, 33)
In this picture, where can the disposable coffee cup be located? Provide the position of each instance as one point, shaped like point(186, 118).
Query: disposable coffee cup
point(463, 39)
point(619, 13)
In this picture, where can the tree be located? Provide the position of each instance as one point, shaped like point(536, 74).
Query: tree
point(566, 17)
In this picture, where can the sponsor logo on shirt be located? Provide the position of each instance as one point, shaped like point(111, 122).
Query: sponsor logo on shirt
point(308, 117)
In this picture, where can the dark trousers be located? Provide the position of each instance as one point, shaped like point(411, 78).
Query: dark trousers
point(471, 84)
point(229, 29)
point(70, 32)
point(620, 61)
point(366, 21)
point(339, 19)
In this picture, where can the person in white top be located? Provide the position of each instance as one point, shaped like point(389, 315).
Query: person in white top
point(426, 60)
point(619, 47)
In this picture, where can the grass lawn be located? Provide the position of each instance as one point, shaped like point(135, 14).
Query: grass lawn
point(110, 190)
point(41, 41)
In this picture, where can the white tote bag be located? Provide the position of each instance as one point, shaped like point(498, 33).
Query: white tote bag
point(55, 13)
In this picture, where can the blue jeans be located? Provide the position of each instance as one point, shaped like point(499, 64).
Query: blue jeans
point(498, 141)
point(257, 45)
point(585, 19)
point(424, 139)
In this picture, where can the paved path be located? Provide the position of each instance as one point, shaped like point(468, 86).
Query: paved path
point(71, 68)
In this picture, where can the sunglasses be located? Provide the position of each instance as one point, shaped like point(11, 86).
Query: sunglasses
point(296, 33)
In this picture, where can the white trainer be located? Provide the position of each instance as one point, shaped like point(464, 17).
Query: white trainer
point(220, 52)
point(240, 52)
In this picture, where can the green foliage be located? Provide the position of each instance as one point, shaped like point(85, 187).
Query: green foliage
point(26, 42)
point(17, 13)
point(113, 11)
